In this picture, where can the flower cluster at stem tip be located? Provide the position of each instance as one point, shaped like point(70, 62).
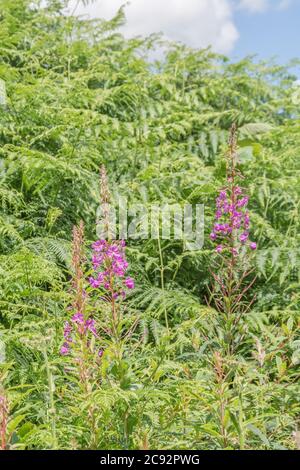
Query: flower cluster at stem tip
point(110, 266)
point(232, 221)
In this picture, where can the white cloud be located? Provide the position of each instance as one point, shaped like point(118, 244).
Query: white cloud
point(197, 23)
point(254, 6)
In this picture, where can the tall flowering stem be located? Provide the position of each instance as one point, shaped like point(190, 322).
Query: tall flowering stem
point(109, 277)
point(106, 282)
point(231, 270)
point(81, 340)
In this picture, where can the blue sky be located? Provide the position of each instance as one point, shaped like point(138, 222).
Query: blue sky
point(236, 28)
point(273, 32)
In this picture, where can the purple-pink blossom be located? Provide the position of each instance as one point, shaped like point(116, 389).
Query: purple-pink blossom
point(110, 266)
point(244, 237)
point(232, 220)
point(91, 326)
point(78, 325)
point(94, 282)
point(64, 350)
point(78, 318)
point(129, 282)
point(235, 251)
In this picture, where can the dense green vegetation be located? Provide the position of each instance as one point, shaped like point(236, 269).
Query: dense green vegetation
point(78, 95)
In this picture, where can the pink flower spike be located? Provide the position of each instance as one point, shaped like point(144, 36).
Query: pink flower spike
point(219, 249)
point(253, 246)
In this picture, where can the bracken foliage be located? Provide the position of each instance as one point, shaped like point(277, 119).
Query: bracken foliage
point(158, 362)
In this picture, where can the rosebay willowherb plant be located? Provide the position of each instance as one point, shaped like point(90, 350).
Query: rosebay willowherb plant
point(81, 341)
point(231, 268)
point(94, 292)
point(81, 327)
